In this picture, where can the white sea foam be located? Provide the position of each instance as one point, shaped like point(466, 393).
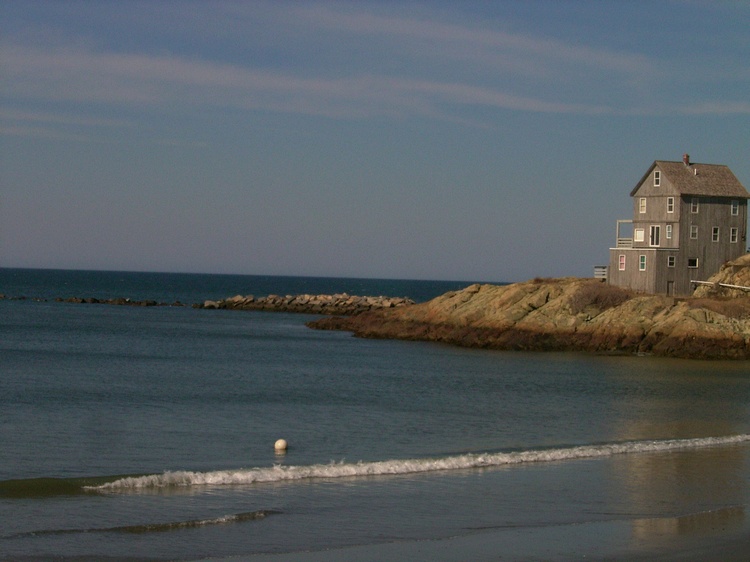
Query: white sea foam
point(279, 473)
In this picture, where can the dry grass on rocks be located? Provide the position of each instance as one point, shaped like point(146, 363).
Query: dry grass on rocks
point(737, 308)
point(599, 296)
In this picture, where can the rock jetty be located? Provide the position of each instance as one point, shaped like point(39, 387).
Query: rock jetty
point(567, 314)
point(340, 304)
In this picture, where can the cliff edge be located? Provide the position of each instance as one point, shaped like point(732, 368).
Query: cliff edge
point(567, 314)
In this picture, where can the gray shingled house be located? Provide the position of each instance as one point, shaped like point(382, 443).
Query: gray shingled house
point(688, 220)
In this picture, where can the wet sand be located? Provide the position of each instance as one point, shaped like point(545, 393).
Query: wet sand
point(718, 536)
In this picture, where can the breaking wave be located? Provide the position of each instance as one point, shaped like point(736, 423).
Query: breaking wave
point(279, 473)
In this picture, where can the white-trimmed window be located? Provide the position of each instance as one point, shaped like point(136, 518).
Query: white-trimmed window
point(654, 235)
point(669, 232)
point(639, 235)
point(670, 261)
point(657, 178)
point(670, 204)
point(641, 263)
point(733, 235)
point(694, 231)
point(735, 207)
point(694, 205)
point(622, 262)
point(715, 234)
point(642, 205)
point(692, 263)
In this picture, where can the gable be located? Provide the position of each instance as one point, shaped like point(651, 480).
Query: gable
point(646, 186)
point(708, 180)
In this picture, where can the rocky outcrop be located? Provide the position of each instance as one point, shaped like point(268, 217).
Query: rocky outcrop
point(342, 304)
point(567, 314)
point(732, 274)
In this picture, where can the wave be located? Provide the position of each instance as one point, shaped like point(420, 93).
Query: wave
point(280, 473)
point(158, 527)
point(50, 487)
point(40, 488)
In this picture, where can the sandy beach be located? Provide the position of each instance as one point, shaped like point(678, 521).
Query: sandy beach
point(722, 535)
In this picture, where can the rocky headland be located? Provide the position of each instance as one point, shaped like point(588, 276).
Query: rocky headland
point(569, 314)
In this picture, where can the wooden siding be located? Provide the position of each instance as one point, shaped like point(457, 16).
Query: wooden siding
point(712, 212)
point(714, 187)
point(632, 276)
point(658, 276)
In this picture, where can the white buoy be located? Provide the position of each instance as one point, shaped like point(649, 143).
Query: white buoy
point(280, 445)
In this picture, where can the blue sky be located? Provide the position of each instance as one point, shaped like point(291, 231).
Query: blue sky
point(490, 141)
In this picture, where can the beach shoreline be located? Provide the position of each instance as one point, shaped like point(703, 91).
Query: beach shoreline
point(641, 540)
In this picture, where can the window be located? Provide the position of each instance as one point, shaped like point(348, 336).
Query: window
point(715, 234)
point(694, 232)
point(735, 207)
point(694, 205)
point(642, 205)
point(639, 235)
point(733, 235)
point(653, 236)
point(642, 263)
point(692, 263)
point(657, 178)
point(670, 261)
point(669, 232)
point(670, 204)
point(622, 262)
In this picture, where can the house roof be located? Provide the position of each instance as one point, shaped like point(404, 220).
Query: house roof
point(711, 180)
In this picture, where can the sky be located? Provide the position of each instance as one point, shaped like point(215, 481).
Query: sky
point(473, 140)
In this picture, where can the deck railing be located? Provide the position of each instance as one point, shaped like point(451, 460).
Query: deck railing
point(624, 242)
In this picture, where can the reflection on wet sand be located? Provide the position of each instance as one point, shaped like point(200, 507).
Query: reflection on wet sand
point(704, 523)
point(686, 493)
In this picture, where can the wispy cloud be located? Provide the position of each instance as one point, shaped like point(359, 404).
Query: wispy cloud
point(715, 108)
point(40, 132)
point(444, 70)
point(469, 42)
point(7, 114)
point(85, 76)
point(57, 126)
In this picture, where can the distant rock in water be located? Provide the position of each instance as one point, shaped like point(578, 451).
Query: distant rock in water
point(342, 304)
point(116, 301)
point(568, 314)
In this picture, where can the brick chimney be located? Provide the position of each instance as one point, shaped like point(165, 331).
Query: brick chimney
point(686, 159)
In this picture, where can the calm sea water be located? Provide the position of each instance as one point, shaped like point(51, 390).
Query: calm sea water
point(148, 432)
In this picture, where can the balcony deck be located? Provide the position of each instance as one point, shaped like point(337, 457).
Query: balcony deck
point(624, 242)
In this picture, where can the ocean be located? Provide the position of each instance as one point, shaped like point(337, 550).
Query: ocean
point(147, 433)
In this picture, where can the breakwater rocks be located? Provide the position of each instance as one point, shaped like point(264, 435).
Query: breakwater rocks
point(568, 314)
point(341, 304)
